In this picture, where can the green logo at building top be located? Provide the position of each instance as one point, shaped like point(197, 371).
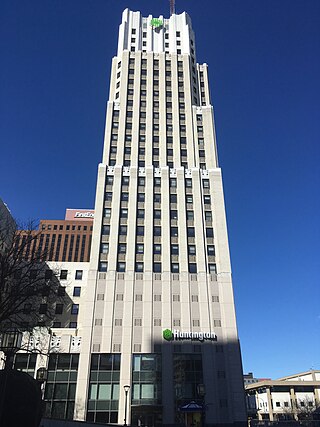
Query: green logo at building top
point(156, 22)
point(167, 335)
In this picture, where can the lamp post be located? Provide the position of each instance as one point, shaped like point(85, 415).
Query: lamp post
point(126, 390)
point(41, 377)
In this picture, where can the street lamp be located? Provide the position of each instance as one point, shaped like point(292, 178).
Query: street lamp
point(42, 377)
point(126, 390)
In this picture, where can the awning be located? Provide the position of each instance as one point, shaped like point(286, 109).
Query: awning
point(191, 407)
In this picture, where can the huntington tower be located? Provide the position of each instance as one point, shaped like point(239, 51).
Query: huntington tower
point(160, 259)
point(156, 332)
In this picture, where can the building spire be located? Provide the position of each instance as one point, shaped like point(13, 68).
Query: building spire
point(172, 7)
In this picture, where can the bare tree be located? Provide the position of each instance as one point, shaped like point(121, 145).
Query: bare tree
point(29, 289)
point(305, 408)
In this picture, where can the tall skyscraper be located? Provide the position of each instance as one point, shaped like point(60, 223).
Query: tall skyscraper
point(160, 301)
point(152, 337)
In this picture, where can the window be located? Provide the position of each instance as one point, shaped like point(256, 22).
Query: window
point(121, 267)
point(210, 250)
point(141, 181)
point(79, 274)
point(191, 250)
point(108, 197)
point(190, 231)
point(188, 182)
point(43, 309)
point(59, 309)
point(157, 231)
point(157, 249)
point(157, 214)
point(209, 232)
point(104, 248)
point(140, 213)
point(175, 268)
point(103, 266)
point(126, 179)
point(123, 230)
point(208, 216)
point(110, 179)
point(73, 325)
point(190, 215)
point(173, 198)
point(205, 183)
point(140, 249)
point(174, 232)
point(61, 291)
point(157, 182)
point(122, 248)
point(75, 309)
point(157, 198)
point(189, 199)
point(192, 268)
point(123, 213)
point(174, 214)
point(140, 230)
point(157, 267)
point(76, 291)
point(139, 267)
point(207, 200)
point(124, 197)
point(141, 197)
point(174, 249)
point(105, 230)
point(63, 274)
point(173, 182)
point(212, 269)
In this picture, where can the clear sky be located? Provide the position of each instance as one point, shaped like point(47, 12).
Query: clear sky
point(264, 68)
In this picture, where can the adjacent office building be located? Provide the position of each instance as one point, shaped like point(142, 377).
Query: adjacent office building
point(155, 339)
point(66, 240)
point(294, 397)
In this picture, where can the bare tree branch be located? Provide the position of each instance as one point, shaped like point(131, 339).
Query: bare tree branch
point(29, 289)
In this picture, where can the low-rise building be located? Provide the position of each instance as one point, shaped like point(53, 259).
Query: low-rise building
point(292, 397)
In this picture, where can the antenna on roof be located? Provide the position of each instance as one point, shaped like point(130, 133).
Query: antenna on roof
point(172, 7)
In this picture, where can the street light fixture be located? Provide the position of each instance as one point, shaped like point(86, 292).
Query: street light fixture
point(126, 390)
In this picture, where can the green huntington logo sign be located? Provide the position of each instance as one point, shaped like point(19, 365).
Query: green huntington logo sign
point(177, 335)
point(156, 22)
point(167, 335)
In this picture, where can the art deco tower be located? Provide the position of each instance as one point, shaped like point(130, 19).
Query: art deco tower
point(160, 256)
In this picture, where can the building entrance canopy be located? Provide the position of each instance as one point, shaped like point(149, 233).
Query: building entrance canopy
point(192, 407)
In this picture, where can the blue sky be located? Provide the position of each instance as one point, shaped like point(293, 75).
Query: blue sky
point(264, 70)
